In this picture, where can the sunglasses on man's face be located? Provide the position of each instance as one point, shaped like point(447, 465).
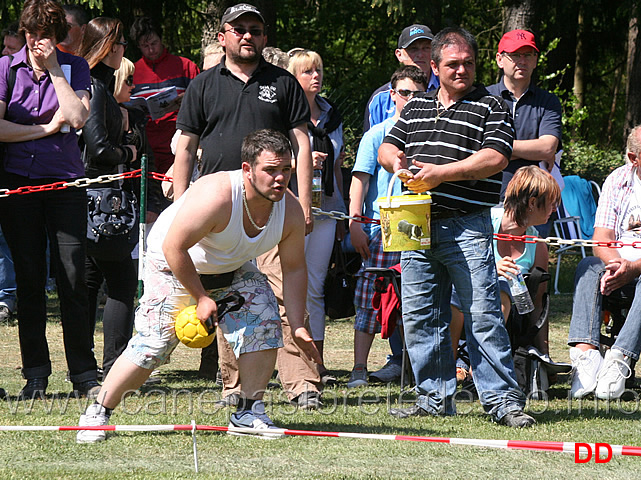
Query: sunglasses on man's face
point(408, 93)
point(241, 31)
point(129, 81)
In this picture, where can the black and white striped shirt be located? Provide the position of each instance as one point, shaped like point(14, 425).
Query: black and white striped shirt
point(429, 133)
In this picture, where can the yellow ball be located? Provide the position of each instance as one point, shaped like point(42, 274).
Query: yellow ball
point(191, 331)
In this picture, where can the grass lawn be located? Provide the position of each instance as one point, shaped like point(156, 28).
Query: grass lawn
point(181, 397)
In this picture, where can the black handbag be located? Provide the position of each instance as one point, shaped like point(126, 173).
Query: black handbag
point(339, 287)
point(112, 223)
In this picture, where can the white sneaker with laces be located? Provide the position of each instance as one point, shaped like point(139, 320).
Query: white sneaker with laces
point(94, 416)
point(256, 422)
point(611, 378)
point(391, 372)
point(585, 367)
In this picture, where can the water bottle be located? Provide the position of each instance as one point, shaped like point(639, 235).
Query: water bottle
point(520, 294)
point(317, 188)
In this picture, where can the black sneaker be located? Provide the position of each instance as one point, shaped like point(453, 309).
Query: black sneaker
point(413, 411)
point(308, 400)
point(517, 419)
point(230, 400)
point(35, 387)
point(89, 389)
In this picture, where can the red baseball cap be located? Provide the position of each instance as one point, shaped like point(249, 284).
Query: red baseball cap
point(515, 39)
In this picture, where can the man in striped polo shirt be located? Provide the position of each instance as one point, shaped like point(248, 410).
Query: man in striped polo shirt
point(456, 141)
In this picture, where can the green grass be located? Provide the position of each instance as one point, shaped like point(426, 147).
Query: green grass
point(49, 455)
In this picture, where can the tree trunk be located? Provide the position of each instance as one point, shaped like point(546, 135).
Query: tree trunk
point(579, 77)
point(216, 8)
point(633, 82)
point(519, 14)
point(618, 75)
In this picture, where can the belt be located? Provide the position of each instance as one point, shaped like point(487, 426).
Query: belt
point(214, 281)
point(444, 214)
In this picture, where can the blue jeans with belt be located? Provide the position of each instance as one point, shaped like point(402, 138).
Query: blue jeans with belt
point(585, 326)
point(460, 255)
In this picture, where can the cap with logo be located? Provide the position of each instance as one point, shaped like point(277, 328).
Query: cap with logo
point(412, 33)
point(515, 39)
point(232, 13)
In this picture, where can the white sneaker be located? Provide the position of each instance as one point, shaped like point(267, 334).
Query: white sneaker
point(94, 416)
point(391, 372)
point(611, 378)
point(254, 420)
point(585, 367)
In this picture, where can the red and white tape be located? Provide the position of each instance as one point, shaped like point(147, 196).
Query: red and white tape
point(543, 446)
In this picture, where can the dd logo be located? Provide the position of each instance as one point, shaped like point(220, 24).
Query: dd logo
point(581, 448)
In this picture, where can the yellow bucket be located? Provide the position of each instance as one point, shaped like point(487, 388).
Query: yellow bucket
point(405, 220)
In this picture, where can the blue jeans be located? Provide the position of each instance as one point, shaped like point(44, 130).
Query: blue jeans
point(7, 276)
point(461, 255)
point(585, 326)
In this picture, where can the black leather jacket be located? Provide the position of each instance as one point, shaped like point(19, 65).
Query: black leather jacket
point(103, 131)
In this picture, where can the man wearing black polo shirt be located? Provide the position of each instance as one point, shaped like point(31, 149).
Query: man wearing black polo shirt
point(457, 140)
point(536, 113)
point(222, 105)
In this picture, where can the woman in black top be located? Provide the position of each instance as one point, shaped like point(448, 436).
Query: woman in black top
point(103, 46)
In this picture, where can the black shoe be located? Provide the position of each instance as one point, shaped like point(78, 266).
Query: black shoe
point(517, 419)
point(35, 387)
point(89, 389)
point(230, 400)
point(3, 394)
point(413, 411)
point(308, 400)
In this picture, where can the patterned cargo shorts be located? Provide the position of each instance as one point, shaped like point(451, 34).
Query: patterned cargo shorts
point(255, 327)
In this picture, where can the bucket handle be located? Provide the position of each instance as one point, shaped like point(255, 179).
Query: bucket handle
point(391, 185)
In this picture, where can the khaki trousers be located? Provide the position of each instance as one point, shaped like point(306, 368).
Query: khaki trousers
point(297, 373)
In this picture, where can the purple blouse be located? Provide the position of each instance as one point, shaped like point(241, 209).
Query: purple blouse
point(34, 102)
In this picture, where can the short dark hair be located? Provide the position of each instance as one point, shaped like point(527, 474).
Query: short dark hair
point(411, 72)
point(78, 13)
point(46, 16)
point(264, 140)
point(143, 27)
point(12, 30)
point(452, 36)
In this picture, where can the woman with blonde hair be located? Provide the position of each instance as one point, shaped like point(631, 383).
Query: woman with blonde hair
point(326, 137)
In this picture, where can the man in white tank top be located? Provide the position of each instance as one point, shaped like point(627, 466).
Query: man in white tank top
point(202, 235)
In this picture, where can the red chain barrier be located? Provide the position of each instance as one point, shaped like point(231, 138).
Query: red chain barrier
point(83, 182)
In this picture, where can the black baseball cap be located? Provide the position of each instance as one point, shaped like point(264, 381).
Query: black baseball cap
point(412, 33)
point(232, 13)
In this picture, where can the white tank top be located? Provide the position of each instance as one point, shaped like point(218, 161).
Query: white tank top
point(225, 251)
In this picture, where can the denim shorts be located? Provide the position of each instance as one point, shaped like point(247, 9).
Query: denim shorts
point(255, 327)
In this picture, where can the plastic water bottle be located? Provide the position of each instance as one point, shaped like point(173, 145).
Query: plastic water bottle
point(317, 188)
point(520, 294)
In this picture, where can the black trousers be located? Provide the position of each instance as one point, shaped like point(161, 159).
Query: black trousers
point(27, 222)
point(118, 315)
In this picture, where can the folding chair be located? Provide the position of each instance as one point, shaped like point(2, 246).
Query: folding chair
point(579, 200)
point(392, 277)
point(615, 310)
